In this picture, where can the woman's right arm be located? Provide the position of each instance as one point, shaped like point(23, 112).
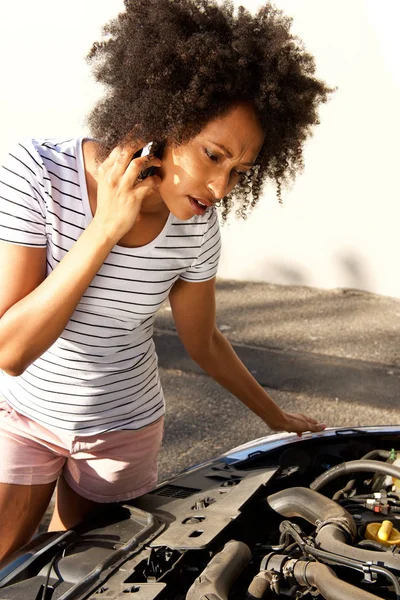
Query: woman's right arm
point(35, 309)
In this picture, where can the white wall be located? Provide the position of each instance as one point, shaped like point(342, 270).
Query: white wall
point(46, 86)
point(339, 223)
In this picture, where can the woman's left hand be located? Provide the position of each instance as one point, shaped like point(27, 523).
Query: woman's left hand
point(297, 423)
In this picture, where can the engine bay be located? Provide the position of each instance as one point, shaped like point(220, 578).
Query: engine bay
point(283, 518)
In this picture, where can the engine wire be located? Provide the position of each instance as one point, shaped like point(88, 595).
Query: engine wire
point(353, 563)
point(62, 552)
point(46, 582)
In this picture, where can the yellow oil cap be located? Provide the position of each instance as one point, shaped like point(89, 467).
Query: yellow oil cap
point(383, 532)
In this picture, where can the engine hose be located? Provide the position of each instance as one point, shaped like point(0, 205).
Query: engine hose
point(311, 506)
point(260, 585)
point(331, 538)
point(220, 573)
point(351, 483)
point(335, 559)
point(382, 453)
point(347, 488)
point(333, 521)
point(372, 545)
point(354, 466)
point(327, 583)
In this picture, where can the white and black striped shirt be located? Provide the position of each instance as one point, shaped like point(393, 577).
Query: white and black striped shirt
point(101, 374)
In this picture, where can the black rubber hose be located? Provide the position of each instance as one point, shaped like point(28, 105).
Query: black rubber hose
point(389, 576)
point(328, 584)
point(347, 488)
point(351, 483)
point(373, 545)
point(354, 466)
point(334, 559)
point(331, 538)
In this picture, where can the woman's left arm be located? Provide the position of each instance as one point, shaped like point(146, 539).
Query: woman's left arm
point(193, 308)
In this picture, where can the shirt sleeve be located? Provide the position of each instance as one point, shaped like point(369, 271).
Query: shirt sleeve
point(205, 266)
point(22, 197)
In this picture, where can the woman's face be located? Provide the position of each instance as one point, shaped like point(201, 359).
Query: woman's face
point(197, 174)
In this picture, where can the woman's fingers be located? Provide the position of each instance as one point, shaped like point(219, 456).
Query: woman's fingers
point(313, 425)
point(121, 167)
point(125, 156)
point(299, 423)
point(138, 165)
point(109, 163)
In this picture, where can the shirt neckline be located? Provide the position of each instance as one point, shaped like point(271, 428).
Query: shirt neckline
point(88, 210)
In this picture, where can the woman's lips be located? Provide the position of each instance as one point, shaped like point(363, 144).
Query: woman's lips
point(207, 203)
point(196, 207)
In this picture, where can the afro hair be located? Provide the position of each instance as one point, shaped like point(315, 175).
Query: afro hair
point(171, 66)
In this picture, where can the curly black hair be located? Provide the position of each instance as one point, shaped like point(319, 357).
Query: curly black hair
point(171, 66)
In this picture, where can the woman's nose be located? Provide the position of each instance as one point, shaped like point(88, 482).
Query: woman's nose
point(219, 186)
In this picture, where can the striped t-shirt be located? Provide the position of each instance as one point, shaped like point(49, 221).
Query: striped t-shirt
point(101, 374)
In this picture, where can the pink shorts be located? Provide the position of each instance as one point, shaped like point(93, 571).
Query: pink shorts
point(109, 467)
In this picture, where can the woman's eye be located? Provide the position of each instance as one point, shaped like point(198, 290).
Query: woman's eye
point(214, 157)
point(210, 155)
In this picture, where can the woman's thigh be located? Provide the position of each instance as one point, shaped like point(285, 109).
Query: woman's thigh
point(70, 507)
point(29, 469)
point(21, 510)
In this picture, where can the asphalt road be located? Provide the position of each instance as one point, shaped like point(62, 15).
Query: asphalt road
point(333, 354)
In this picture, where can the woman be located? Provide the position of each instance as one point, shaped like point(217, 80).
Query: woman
point(91, 247)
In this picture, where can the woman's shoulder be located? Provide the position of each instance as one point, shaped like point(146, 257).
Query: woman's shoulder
point(58, 149)
point(34, 153)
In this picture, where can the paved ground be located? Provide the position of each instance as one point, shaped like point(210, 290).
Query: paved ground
point(332, 354)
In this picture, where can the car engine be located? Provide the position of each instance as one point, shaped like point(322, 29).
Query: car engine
point(317, 518)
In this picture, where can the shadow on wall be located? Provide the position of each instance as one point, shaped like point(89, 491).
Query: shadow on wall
point(354, 270)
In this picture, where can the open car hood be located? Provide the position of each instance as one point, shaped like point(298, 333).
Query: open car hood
point(279, 517)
